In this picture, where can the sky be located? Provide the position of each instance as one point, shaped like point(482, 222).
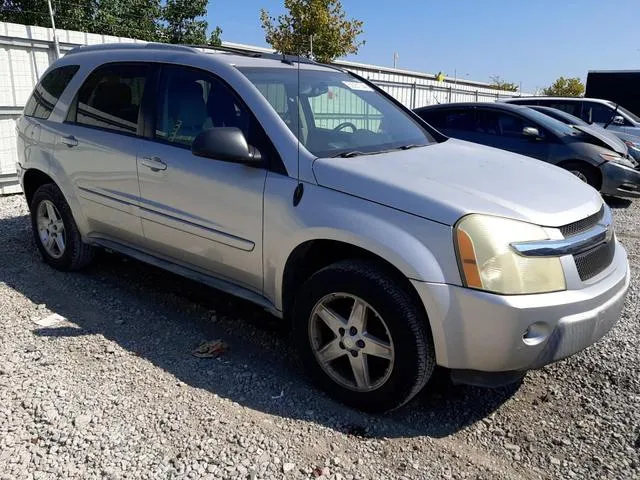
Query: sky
point(533, 42)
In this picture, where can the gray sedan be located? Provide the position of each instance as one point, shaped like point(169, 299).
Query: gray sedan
point(522, 130)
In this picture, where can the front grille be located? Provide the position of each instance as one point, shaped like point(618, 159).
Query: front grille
point(595, 260)
point(582, 225)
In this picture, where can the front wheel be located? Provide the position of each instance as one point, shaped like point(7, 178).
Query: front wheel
point(584, 172)
point(362, 336)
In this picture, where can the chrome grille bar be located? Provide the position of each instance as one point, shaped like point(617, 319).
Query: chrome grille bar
point(602, 232)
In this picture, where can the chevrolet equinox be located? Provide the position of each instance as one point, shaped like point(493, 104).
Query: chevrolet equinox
point(311, 192)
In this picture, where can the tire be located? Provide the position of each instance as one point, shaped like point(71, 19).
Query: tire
point(75, 254)
point(404, 327)
point(584, 172)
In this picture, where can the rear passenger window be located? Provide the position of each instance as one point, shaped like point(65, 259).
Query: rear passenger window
point(464, 119)
point(110, 98)
point(48, 91)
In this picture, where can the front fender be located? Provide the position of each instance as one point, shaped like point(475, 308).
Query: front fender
point(421, 249)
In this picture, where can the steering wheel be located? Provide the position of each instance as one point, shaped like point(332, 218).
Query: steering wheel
point(344, 125)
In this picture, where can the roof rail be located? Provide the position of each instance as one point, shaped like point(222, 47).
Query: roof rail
point(132, 46)
point(270, 55)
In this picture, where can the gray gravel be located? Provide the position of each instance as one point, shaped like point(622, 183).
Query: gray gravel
point(112, 391)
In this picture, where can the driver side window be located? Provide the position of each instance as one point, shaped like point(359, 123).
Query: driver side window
point(593, 112)
point(192, 101)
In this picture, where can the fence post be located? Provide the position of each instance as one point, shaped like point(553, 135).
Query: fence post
point(450, 94)
point(476, 95)
point(413, 95)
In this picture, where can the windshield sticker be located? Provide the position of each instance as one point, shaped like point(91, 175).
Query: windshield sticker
point(363, 87)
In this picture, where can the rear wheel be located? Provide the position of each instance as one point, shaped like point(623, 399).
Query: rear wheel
point(56, 232)
point(585, 172)
point(363, 338)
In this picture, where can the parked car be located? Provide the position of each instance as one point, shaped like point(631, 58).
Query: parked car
point(312, 193)
point(527, 132)
point(616, 140)
point(592, 112)
point(605, 113)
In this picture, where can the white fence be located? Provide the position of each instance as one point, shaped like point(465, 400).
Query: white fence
point(26, 52)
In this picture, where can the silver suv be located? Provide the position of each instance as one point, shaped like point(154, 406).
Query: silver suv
point(309, 191)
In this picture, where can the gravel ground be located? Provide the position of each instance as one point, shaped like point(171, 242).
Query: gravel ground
point(112, 391)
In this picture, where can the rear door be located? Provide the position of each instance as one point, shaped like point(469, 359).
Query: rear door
point(201, 212)
point(502, 129)
point(97, 148)
point(38, 109)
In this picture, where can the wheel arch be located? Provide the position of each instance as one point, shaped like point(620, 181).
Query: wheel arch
point(33, 179)
point(595, 171)
point(314, 254)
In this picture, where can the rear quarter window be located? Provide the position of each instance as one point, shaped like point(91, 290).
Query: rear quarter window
point(48, 91)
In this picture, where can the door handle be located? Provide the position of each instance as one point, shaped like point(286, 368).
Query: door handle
point(155, 164)
point(69, 141)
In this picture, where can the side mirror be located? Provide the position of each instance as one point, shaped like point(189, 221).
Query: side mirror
point(618, 120)
point(530, 132)
point(227, 144)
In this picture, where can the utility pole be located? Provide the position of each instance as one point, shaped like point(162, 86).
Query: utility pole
point(395, 59)
point(311, 46)
point(53, 26)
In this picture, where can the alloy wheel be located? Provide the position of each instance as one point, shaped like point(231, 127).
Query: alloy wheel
point(351, 342)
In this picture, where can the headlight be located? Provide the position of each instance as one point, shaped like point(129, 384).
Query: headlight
point(615, 158)
point(487, 261)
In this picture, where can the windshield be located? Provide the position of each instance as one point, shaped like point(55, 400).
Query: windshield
point(555, 126)
point(338, 114)
point(632, 116)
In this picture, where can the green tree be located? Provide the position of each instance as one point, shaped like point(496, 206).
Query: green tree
point(499, 84)
point(322, 23)
point(76, 14)
point(214, 38)
point(565, 87)
point(179, 21)
point(184, 22)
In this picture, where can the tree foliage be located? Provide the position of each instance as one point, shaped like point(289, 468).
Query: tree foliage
point(322, 23)
point(184, 22)
point(499, 84)
point(178, 21)
point(565, 87)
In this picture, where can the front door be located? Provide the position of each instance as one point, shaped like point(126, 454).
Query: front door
point(97, 147)
point(501, 129)
point(203, 213)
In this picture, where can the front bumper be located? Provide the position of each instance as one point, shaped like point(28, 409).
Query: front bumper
point(484, 332)
point(620, 181)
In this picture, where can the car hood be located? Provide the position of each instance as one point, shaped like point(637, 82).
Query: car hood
point(609, 139)
point(445, 181)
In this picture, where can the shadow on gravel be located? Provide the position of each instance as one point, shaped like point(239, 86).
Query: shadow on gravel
point(617, 202)
point(162, 317)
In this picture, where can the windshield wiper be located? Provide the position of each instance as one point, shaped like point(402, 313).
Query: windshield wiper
point(349, 154)
point(357, 153)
